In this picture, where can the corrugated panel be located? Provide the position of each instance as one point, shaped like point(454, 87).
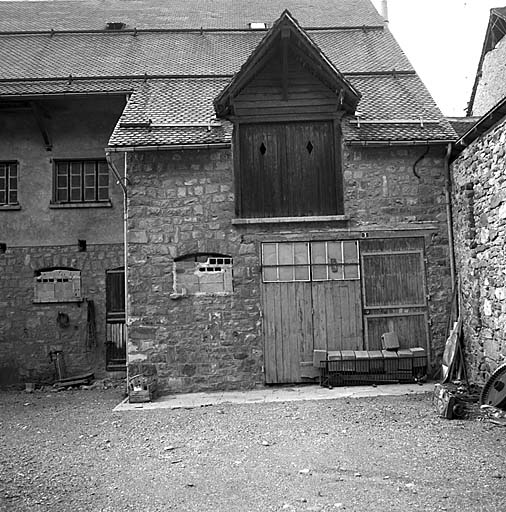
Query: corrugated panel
point(94, 14)
point(179, 53)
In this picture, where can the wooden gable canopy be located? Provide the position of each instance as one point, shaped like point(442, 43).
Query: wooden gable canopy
point(286, 41)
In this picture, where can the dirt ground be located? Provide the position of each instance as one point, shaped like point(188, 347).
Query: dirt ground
point(68, 451)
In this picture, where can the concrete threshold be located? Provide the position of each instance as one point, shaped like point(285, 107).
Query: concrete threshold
point(274, 394)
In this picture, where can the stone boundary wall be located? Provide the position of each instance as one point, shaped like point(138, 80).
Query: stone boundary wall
point(479, 203)
point(29, 331)
point(182, 202)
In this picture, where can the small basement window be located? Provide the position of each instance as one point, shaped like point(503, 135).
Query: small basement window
point(203, 274)
point(57, 285)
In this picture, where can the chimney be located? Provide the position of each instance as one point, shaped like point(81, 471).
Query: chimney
point(384, 10)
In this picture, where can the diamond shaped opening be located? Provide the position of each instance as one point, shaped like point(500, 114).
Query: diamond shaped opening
point(309, 147)
point(263, 149)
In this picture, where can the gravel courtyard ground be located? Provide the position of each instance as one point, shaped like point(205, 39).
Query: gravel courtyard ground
point(68, 451)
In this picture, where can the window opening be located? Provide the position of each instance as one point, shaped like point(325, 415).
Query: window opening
point(78, 181)
point(309, 147)
point(57, 285)
point(202, 274)
point(285, 262)
point(263, 149)
point(315, 261)
point(8, 183)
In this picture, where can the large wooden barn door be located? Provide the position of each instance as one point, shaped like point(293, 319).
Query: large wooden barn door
point(311, 300)
point(394, 292)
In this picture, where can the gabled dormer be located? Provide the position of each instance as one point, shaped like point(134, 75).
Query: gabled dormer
point(286, 103)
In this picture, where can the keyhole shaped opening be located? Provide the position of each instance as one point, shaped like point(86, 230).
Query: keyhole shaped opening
point(309, 147)
point(263, 149)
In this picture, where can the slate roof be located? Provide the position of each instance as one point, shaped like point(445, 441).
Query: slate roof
point(179, 53)
point(175, 70)
point(462, 125)
point(181, 14)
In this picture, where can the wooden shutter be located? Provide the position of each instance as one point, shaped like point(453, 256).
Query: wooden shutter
point(115, 295)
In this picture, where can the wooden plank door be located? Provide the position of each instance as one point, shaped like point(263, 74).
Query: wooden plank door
point(394, 292)
point(336, 294)
point(311, 300)
point(287, 319)
point(115, 319)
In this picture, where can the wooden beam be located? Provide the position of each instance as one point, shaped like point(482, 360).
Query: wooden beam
point(285, 38)
point(39, 118)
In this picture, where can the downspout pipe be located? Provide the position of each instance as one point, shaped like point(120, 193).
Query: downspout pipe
point(449, 214)
point(122, 182)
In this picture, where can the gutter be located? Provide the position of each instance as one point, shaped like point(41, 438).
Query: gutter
point(387, 143)
point(168, 147)
point(449, 214)
point(122, 182)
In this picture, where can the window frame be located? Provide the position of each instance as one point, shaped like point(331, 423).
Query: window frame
point(8, 166)
point(82, 186)
point(335, 270)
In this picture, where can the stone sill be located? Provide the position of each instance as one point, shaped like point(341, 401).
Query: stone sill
point(91, 204)
point(288, 220)
point(57, 301)
point(6, 207)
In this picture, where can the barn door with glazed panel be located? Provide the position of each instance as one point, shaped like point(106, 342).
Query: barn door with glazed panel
point(337, 304)
point(287, 320)
point(311, 300)
point(394, 291)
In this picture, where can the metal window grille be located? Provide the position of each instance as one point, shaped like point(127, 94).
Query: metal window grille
point(8, 183)
point(78, 181)
point(315, 261)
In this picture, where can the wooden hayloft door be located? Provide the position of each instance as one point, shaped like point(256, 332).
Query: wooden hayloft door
point(280, 160)
point(311, 300)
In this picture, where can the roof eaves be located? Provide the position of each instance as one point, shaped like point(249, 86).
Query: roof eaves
point(487, 121)
point(397, 142)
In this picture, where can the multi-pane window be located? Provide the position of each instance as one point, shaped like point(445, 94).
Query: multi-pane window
point(310, 261)
point(285, 262)
point(8, 183)
point(78, 181)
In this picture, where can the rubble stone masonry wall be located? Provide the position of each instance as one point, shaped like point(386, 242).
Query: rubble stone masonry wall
point(182, 202)
point(492, 83)
point(479, 202)
point(29, 331)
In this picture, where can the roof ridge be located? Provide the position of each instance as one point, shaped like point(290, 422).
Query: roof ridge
point(201, 30)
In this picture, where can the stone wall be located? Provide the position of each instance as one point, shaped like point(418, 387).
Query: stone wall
point(385, 192)
point(29, 331)
point(479, 201)
point(492, 83)
point(38, 234)
point(182, 202)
